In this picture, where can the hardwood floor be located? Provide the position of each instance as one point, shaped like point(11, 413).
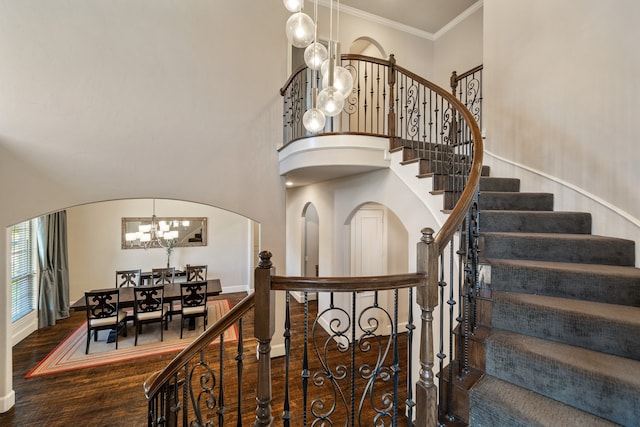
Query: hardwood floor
point(112, 395)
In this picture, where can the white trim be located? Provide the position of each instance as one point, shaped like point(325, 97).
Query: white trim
point(406, 28)
point(458, 19)
point(7, 401)
point(23, 327)
point(586, 194)
point(380, 20)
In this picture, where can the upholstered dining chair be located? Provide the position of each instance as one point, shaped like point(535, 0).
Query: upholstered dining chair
point(193, 299)
point(126, 278)
point(196, 273)
point(103, 312)
point(149, 307)
point(163, 276)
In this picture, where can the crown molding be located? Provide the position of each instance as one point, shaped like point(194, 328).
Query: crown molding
point(379, 20)
point(402, 27)
point(458, 19)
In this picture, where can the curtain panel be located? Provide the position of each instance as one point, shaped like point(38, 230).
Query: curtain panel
point(53, 296)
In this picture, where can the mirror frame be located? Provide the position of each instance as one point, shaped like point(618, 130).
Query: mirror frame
point(147, 219)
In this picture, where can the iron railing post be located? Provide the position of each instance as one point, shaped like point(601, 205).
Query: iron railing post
point(391, 81)
point(264, 328)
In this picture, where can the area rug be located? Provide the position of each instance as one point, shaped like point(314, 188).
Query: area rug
point(70, 353)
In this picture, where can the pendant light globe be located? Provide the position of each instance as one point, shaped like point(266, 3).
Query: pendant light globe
point(330, 101)
point(300, 30)
point(293, 5)
point(314, 55)
point(314, 120)
point(342, 80)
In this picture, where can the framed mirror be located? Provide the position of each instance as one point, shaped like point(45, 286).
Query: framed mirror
point(158, 232)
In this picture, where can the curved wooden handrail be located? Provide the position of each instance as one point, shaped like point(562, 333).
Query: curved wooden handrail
point(155, 381)
point(346, 284)
point(293, 75)
point(459, 212)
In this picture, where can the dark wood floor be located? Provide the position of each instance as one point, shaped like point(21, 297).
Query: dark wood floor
point(112, 395)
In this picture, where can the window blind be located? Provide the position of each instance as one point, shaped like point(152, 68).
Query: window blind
point(23, 272)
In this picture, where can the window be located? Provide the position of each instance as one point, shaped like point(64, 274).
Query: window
point(23, 270)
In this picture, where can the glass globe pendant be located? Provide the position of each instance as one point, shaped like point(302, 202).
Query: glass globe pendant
point(293, 5)
point(330, 101)
point(342, 80)
point(300, 30)
point(314, 55)
point(314, 119)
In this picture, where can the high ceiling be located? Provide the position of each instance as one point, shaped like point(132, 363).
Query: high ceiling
point(425, 15)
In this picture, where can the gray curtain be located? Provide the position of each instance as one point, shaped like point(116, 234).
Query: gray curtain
point(53, 297)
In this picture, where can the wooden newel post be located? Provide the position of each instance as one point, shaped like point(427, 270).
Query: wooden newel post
point(264, 327)
point(427, 299)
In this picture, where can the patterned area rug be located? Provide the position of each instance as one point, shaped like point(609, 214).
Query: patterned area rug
point(70, 353)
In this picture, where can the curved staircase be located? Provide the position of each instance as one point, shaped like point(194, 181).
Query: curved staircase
point(561, 316)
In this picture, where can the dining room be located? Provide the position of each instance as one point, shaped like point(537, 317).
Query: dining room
point(97, 244)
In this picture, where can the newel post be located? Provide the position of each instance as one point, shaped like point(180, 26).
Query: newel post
point(427, 299)
point(264, 327)
point(391, 80)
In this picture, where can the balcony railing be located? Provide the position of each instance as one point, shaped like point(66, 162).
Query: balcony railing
point(367, 356)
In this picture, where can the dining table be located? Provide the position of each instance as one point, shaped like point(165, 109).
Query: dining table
point(171, 293)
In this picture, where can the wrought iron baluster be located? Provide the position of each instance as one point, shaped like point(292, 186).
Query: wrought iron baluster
point(409, 402)
point(221, 406)
point(305, 360)
point(286, 415)
point(240, 367)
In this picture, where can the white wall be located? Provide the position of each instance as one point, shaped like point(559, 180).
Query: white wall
point(411, 52)
point(95, 251)
point(134, 99)
point(562, 106)
point(459, 48)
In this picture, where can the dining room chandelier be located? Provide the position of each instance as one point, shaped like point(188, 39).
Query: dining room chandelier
point(156, 233)
point(337, 82)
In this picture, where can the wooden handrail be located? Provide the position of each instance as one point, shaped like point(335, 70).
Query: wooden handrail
point(459, 212)
point(155, 381)
point(346, 284)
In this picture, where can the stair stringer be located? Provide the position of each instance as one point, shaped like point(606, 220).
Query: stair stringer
point(421, 187)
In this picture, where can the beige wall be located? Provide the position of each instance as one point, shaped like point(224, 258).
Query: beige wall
point(458, 49)
point(95, 251)
point(138, 99)
point(562, 105)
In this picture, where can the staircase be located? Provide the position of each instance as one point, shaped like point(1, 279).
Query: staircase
point(561, 316)
point(558, 311)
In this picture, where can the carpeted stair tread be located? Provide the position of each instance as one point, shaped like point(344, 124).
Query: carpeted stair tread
point(489, 183)
point(597, 326)
point(502, 200)
point(592, 282)
point(496, 403)
point(602, 384)
point(535, 221)
point(580, 248)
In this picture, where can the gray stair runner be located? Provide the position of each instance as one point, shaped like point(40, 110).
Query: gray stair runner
point(564, 349)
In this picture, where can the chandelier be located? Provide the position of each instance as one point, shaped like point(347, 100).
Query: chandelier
point(156, 233)
point(337, 81)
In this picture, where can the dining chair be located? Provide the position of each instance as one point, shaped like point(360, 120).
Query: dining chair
point(193, 299)
point(149, 307)
point(103, 312)
point(126, 278)
point(196, 273)
point(163, 276)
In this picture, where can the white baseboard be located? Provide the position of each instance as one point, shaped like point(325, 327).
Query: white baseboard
point(23, 327)
point(299, 296)
point(234, 289)
point(7, 401)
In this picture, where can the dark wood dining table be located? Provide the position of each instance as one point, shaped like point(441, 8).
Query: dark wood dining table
point(171, 293)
